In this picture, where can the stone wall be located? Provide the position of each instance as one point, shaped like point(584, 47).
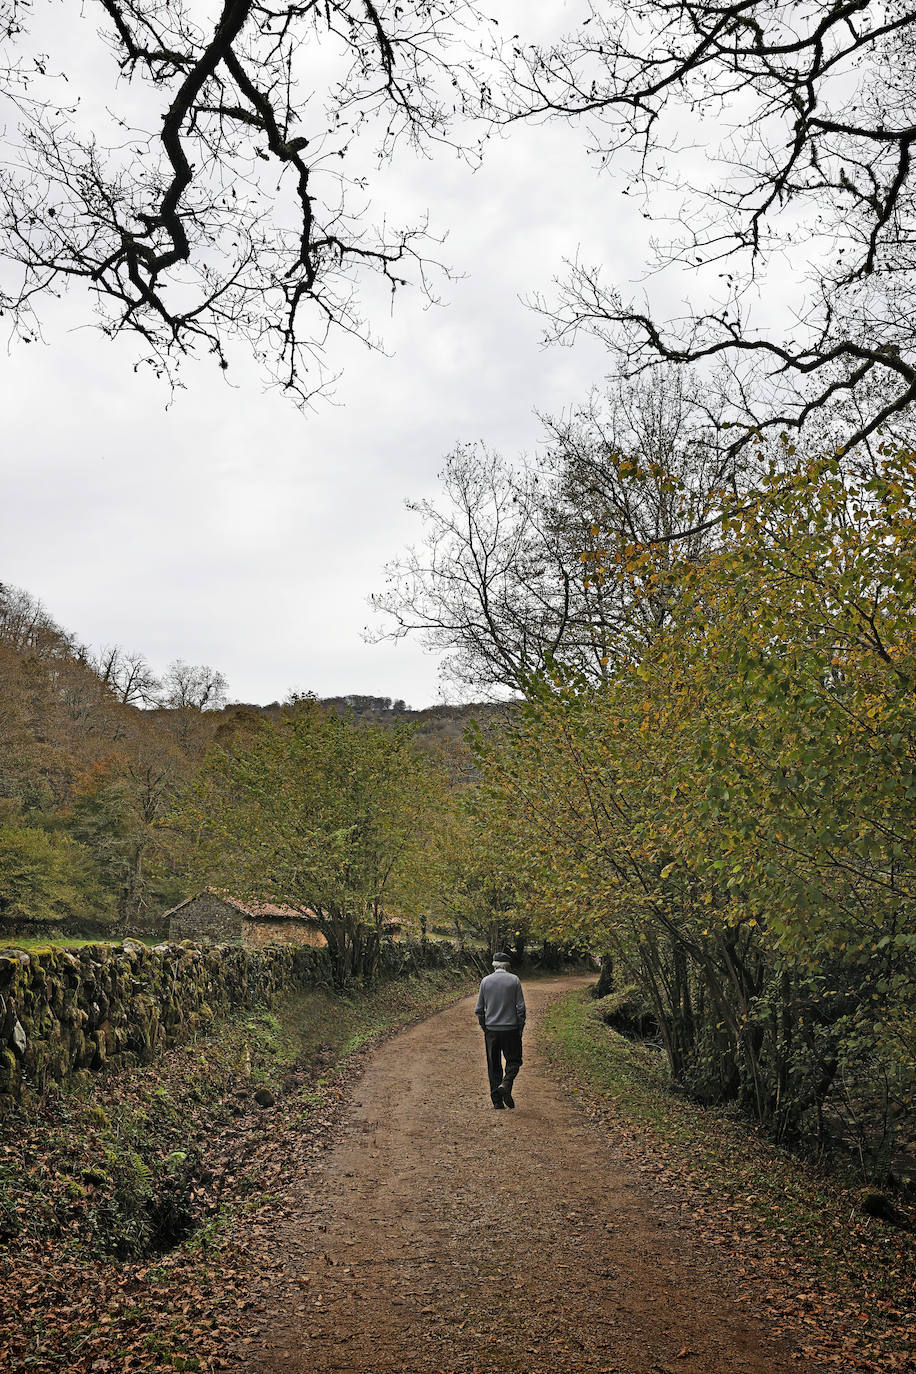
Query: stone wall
point(71, 1012)
point(65, 1012)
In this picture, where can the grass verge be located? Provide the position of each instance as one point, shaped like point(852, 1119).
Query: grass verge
point(44, 944)
point(839, 1283)
point(131, 1214)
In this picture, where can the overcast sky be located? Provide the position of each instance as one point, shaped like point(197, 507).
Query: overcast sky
point(224, 526)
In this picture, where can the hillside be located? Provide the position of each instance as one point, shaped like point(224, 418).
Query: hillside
point(95, 748)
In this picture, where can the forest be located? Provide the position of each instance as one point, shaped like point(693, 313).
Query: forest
point(704, 770)
point(710, 777)
point(119, 791)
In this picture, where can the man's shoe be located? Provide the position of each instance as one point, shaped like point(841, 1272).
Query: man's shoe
point(497, 1102)
point(505, 1092)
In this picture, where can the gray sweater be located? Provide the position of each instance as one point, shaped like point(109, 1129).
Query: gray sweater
point(500, 1002)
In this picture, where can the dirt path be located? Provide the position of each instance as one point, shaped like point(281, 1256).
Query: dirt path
point(442, 1237)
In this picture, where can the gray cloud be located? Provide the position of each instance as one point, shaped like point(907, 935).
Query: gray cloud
point(222, 525)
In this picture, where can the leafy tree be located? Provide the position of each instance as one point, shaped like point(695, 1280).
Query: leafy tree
point(44, 876)
point(88, 772)
point(474, 893)
point(730, 813)
point(116, 813)
point(317, 812)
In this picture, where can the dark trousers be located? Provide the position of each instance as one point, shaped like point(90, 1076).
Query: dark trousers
point(500, 1044)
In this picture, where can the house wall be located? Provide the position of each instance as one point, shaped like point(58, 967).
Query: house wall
point(207, 918)
point(257, 934)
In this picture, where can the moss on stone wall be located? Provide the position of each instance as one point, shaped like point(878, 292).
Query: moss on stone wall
point(65, 1012)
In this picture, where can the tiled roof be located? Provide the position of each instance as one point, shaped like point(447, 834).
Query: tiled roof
point(254, 911)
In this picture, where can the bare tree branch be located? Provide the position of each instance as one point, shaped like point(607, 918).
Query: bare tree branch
point(522, 568)
point(805, 115)
point(234, 208)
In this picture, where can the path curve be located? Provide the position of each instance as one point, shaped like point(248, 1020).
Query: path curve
point(439, 1236)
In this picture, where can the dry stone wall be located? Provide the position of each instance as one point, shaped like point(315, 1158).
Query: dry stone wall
point(67, 1012)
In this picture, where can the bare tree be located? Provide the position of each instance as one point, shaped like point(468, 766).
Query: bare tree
point(227, 196)
point(800, 115)
point(128, 675)
point(486, 584)
point(27, 627)
point(193, 686)
point(504, 580)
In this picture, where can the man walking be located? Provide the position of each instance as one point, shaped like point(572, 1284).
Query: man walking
point(501, 1012)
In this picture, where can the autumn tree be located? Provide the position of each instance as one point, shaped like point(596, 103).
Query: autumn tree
point(473, 894)
point(117, 811)
point(26, 626)
point(730, 814)
point(500, 580)
point(318, 812)
point(86, 776)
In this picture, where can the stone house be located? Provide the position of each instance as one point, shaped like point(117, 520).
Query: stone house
point(215, 917)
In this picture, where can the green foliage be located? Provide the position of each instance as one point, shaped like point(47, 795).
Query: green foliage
point(88, 774)
point(115, 813)
point(317, 812)
point(730, 815)
point(93, 778)
point(132, 1164)
point(44, 875)
point(737, 1180)
point(477, 896)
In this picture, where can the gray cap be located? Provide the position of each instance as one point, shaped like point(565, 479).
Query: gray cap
point(500, 958)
